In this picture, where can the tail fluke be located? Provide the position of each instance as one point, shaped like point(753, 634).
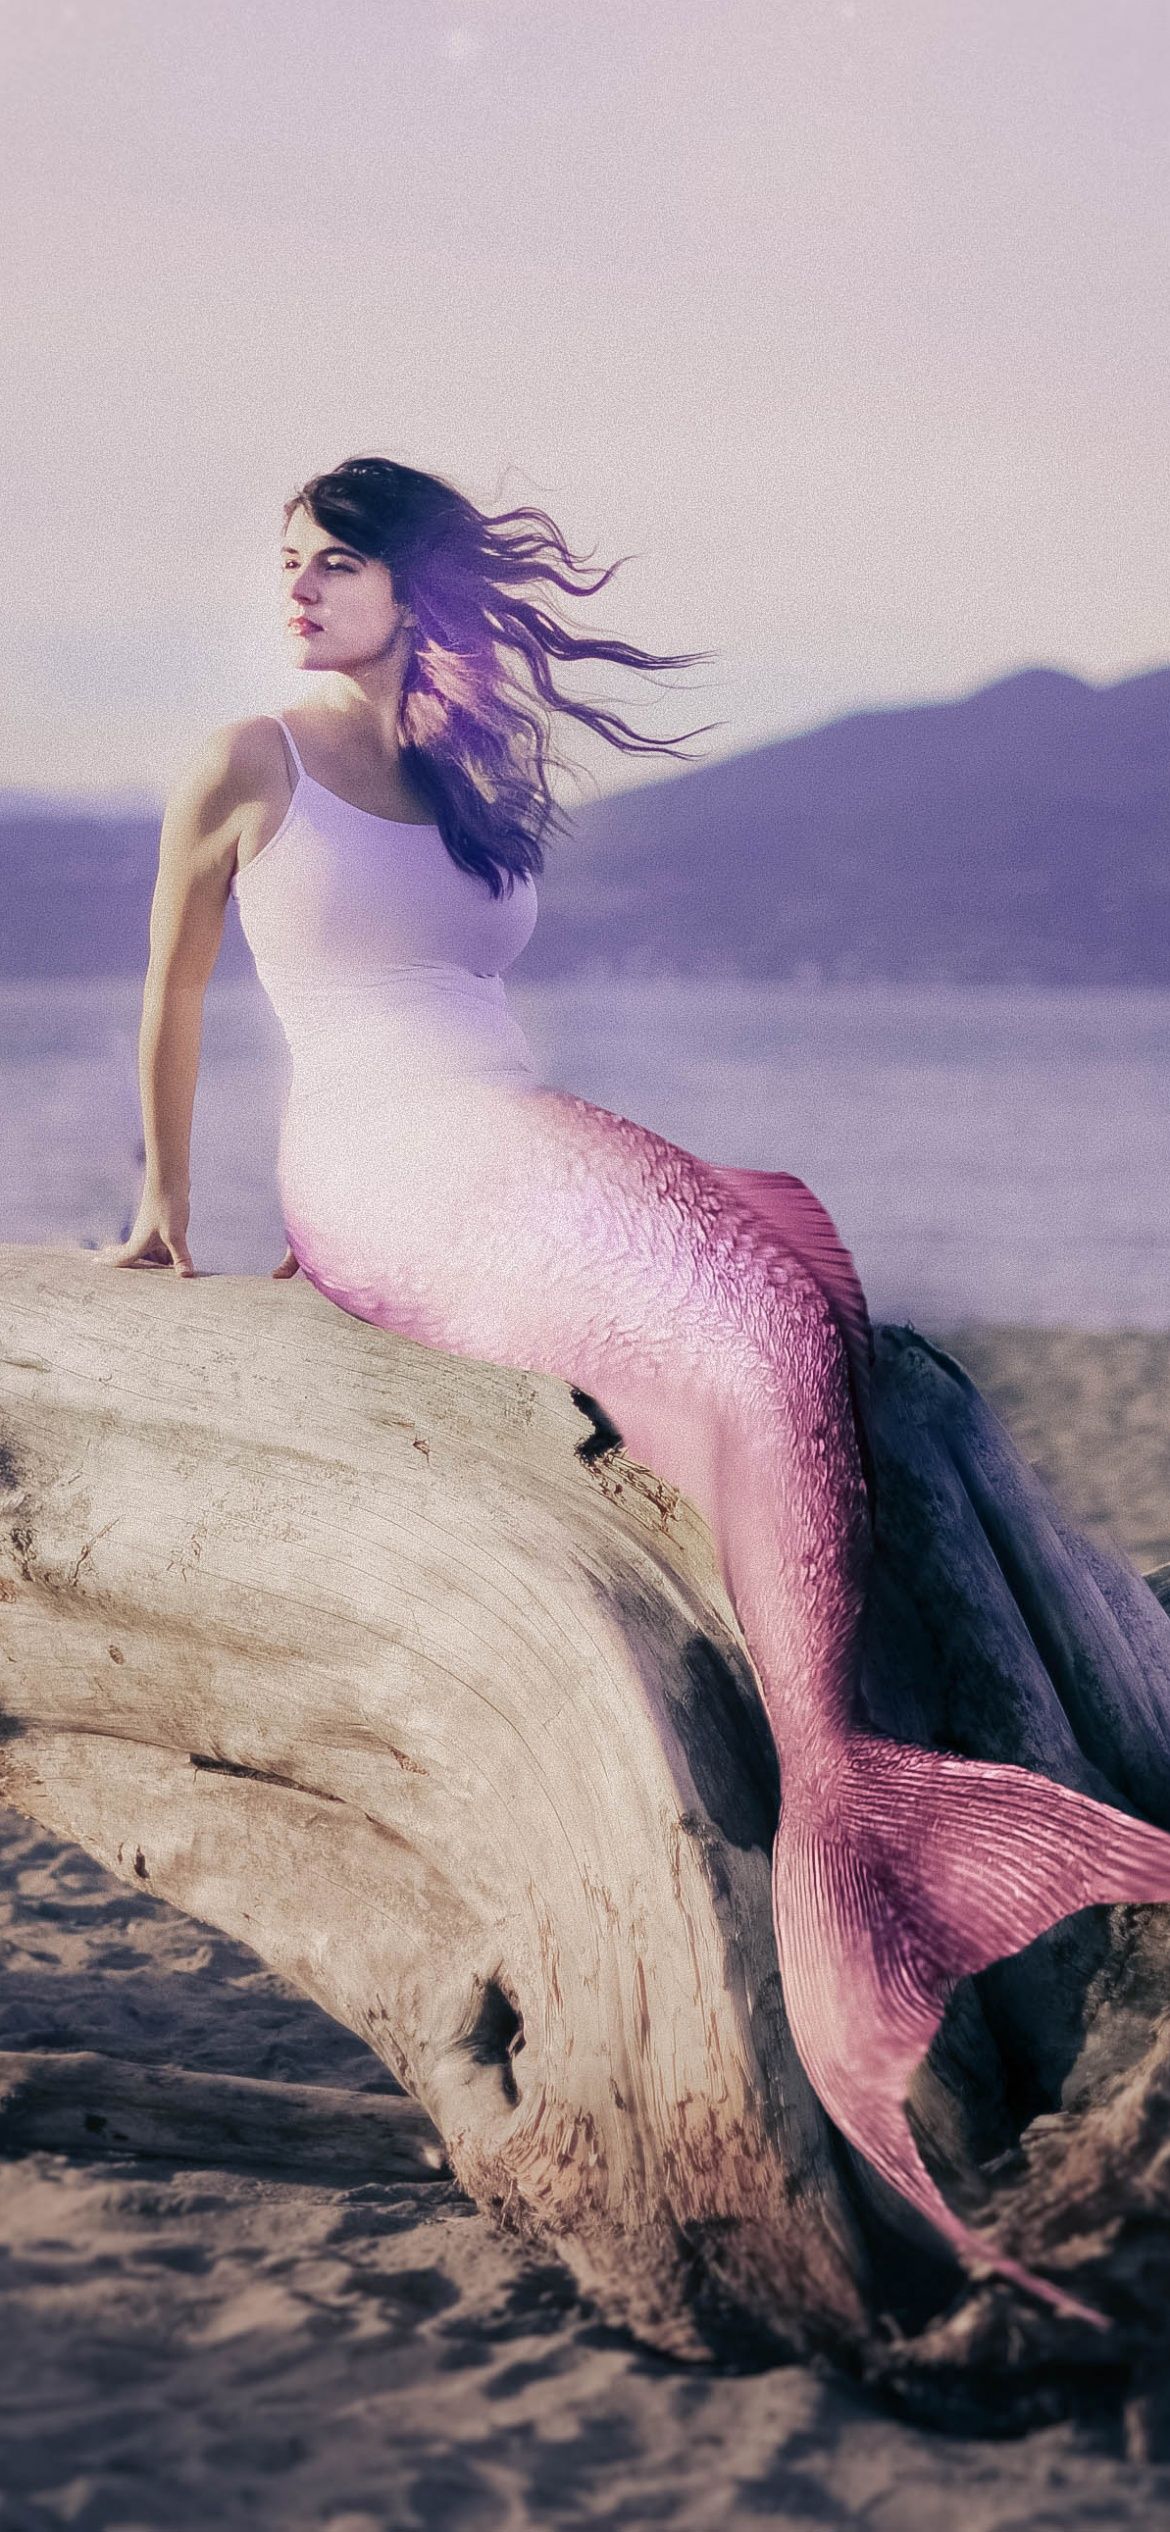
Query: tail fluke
point(929, 1868)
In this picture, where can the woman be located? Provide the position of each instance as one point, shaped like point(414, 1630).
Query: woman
point(431, 1183)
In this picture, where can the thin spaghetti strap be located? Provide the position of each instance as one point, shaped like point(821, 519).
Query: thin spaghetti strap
point(296, 755)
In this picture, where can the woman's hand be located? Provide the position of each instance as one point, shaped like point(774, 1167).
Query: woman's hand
point(158, 1238)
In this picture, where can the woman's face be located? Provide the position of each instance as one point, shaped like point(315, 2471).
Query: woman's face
point(340, 610)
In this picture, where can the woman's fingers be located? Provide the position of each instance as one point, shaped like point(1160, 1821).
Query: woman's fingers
point(153, 1250)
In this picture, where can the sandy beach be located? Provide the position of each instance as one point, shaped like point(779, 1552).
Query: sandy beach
point(187, 2347)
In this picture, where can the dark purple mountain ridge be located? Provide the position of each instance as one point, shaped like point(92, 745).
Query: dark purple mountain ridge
point(1018, 835)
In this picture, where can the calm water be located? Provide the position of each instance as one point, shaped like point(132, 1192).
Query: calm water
point(992, 1154)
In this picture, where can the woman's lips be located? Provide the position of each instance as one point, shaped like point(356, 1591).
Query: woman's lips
point(302, 624)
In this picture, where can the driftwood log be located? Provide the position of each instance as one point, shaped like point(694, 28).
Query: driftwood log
point(398, 1669)
point(80, 2101)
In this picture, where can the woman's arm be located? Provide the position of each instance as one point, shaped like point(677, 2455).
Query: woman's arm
point(197, 855)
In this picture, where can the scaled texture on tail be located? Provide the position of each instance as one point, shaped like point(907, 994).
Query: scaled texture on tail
point(805, 1230)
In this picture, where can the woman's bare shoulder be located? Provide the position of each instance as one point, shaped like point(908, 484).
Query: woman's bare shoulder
point(233, 765)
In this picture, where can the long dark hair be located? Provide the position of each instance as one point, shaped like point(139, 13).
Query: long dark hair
point(474, 740)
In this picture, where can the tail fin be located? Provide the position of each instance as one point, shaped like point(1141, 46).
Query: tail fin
point(931, 1868)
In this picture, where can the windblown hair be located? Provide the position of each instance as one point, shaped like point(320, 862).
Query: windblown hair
point(476, 739)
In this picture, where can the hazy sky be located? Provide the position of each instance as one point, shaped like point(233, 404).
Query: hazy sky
point(848, 319)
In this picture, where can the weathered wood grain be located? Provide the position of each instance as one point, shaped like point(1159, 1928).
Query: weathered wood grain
point(82, 2101)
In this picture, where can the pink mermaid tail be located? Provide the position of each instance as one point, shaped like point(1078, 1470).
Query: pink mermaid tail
point(898, 1870)
point(717, 1318)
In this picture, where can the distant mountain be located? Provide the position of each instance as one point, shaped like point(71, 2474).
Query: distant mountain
point(134, 803)
point(1021, 834)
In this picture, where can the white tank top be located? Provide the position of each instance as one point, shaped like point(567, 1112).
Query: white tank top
point(371, 942)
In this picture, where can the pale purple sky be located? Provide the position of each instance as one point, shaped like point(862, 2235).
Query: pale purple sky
point(848, 318)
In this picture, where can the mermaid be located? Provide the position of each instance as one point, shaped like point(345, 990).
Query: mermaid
point(383, 853)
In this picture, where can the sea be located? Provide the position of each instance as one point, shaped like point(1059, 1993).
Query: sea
point(994, 1154)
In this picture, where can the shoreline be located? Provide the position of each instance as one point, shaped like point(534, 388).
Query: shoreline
point(1090, 1408)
